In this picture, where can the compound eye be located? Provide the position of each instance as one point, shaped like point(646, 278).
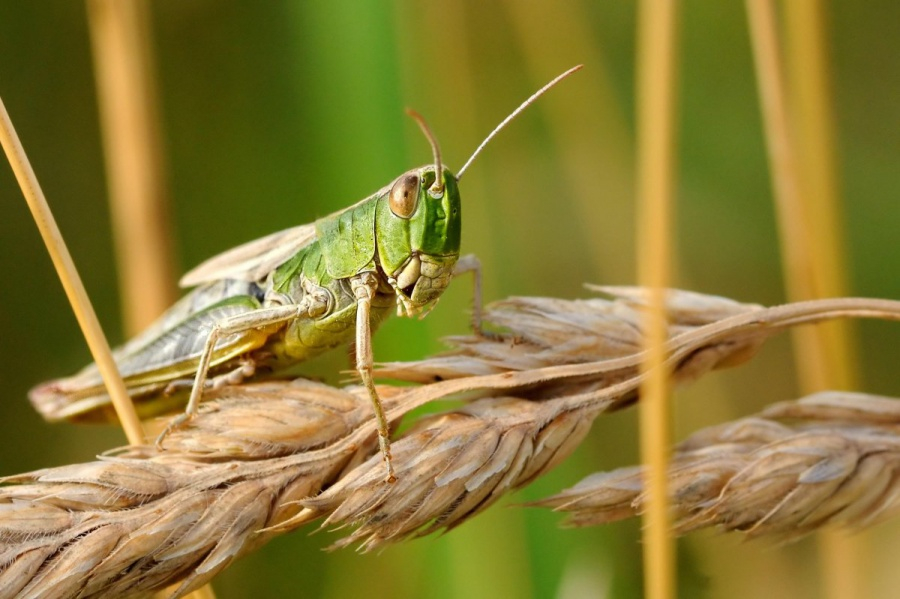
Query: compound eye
point(405, 196)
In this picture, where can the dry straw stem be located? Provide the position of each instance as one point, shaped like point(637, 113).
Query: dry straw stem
point(829, 459)
point(801, 158)
point(657, 76)
point(266, 458)
point(126, 91)
point(68, 276)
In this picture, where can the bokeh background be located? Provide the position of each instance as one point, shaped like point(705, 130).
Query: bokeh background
point(275, 113)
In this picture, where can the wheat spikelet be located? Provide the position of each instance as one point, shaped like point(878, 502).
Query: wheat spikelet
point(265, 458)
point(450, 467)
point(829, 459)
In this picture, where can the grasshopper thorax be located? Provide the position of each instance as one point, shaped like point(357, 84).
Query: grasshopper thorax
point(417, 232)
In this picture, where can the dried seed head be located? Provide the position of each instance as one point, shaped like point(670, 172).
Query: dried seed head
point(543, 332)
point(449, 467)
point(833, 460)
point(256, 460)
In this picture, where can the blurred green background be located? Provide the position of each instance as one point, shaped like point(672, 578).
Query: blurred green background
point(276, 113)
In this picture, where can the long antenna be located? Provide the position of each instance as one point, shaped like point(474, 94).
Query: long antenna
point(513, 115)
point(437, 188)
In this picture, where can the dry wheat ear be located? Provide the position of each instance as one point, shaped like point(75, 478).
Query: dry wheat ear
point(265, 458)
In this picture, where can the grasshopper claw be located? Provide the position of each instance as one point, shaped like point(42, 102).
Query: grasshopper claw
point(176, 423)
point(385, 447)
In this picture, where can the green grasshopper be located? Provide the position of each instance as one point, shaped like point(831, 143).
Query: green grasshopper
point(292, 295)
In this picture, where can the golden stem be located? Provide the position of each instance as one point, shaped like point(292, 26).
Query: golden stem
point(655, 159)
point(126, 91)
point(801, 157)
point(68, 276)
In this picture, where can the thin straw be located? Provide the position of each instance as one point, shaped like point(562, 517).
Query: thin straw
point(126, 92)
point(68, 275)
point(657, 37)
point(844, 560)
point(809, 231)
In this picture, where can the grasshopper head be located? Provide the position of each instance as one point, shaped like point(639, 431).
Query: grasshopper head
point(418, 235)
point(417, 220)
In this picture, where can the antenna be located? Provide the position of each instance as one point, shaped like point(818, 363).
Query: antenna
point(437, 188)
point(513, 115)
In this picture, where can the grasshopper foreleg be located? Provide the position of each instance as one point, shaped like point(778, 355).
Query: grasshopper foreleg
point(228, 326)
point(364, 286)
point(471, 263)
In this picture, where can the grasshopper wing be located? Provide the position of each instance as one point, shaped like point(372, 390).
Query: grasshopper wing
point(253, 260)
point(149, 367)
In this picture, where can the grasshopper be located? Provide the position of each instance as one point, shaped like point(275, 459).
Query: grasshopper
point(284, 298)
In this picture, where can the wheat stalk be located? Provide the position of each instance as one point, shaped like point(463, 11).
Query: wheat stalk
point(265, 458)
